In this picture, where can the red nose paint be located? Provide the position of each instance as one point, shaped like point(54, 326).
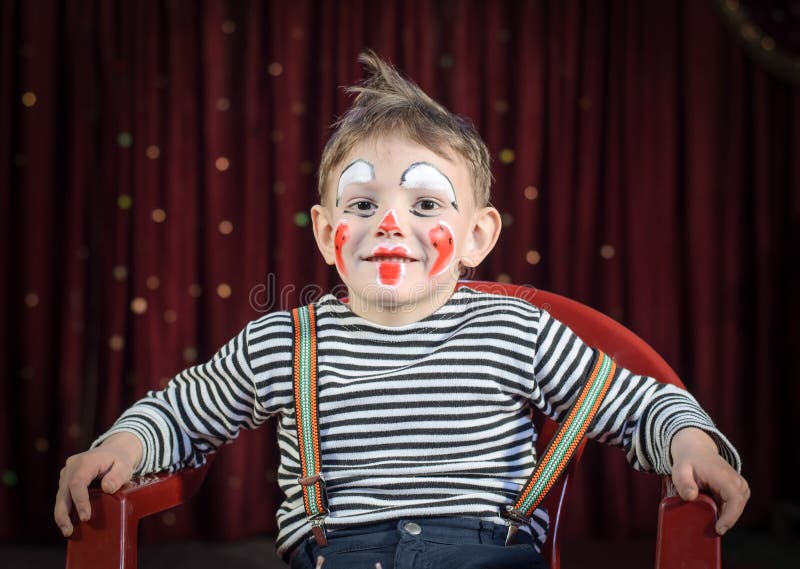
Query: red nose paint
point(339, 239)
point(389, 222)
point(389, 273)
point(441, 238)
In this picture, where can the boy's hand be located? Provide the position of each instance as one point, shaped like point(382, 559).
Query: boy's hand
point(697, 465)
point(112, 462)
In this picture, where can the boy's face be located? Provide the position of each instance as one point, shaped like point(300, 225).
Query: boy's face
point(399, 223)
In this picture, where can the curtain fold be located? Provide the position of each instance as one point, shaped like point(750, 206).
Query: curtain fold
point(159, 162)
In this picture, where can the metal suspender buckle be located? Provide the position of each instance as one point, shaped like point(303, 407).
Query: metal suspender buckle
point(317, 520)
point(514, 519)
point(318, 529)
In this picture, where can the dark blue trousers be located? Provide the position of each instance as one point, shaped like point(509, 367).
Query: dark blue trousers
point(426, 543)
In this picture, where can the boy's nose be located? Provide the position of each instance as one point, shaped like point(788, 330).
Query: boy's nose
point(389, 224)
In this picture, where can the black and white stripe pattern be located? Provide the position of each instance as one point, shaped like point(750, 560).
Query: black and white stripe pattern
point(428, 419)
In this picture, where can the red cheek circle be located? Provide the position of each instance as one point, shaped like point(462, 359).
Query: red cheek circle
point(339, 239)
point(389, 273)
point(442, 240)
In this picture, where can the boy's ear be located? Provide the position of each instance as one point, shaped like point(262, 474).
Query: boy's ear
point(323, 232)
point(485, 231)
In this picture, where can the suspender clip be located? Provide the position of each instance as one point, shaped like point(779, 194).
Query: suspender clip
point(514, 519)
point(318, 529)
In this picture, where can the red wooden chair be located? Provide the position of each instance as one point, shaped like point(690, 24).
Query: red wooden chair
point(686, 536)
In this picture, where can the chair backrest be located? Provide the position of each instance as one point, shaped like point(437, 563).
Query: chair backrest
point(599, 331)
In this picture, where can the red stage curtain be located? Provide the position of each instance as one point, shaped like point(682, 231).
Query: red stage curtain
point(158, 163)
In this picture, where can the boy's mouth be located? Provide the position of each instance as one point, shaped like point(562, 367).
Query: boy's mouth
point(389, 259)
point(390, 255)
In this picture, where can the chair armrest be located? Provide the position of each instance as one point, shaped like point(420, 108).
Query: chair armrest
point(686, 532)
point(108, 539)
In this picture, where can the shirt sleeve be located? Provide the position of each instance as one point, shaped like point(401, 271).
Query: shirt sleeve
point(201, 408)
point(639, 414)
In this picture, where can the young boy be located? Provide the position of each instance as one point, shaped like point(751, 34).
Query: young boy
point(424, 393)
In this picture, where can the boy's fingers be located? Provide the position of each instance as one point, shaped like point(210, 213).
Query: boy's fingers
point(79, 490)
point(683, 479)
point(116, 476)
point(733, 497)
point(61, 511)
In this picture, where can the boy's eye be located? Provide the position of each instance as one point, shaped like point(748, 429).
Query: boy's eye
point(426, 207)
point(362, 207)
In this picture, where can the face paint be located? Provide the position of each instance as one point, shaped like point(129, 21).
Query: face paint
point(391, 272)
point(340, 237)
point(389, 222)
point(427, 176)
point(442, 240)
point(357, 172)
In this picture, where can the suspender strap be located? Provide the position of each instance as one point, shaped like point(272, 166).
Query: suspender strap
point(305, 405)
point(564, 444)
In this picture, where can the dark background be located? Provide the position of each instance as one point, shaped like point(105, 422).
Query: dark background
point(158, 160)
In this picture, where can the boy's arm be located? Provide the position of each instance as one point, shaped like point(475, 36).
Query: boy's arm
point(201, 408)
point(641, 416)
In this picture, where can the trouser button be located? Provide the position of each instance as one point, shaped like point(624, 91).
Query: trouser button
point(412, 528)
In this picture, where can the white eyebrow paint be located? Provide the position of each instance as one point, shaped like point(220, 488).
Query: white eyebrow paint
point(429, 177)
point(357, 172)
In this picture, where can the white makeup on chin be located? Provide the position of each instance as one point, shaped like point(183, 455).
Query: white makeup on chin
point(426, 176)
point(357, 172)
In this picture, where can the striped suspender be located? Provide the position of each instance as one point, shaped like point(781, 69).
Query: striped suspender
point(305, 405)
point(552, 464)
point(564, 444)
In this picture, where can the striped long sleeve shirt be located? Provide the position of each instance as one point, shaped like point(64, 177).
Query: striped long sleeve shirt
point(427, 419)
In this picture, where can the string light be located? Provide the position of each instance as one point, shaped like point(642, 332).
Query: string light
point(275, 69)
point(301, 219)
point(124, 202)
point(10, 478)
point(223, 104)
point(223, 290)
point(139, 305)
point(533, 257)
point(170, 316)
point(228, 27)
point(124, 139)
point(116, 342)
point(501, 106)
point(222, 163)
point(120, 272)
point(190, 354)
point(153, 152)
point(225, 227)
point(153, 282)
point(506, 155)
point(29, 98)
point(531, 192)
point(31, 299)
point(607, 251)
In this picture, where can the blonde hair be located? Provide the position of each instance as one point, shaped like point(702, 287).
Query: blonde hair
point(386, 102)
